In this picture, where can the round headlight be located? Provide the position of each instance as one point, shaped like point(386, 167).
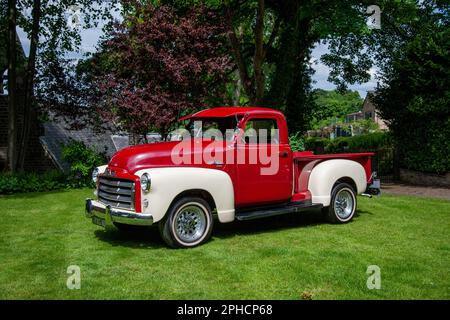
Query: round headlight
point(145, 182)
point(94, 175)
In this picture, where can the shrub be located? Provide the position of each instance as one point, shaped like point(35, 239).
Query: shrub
point(32, 182)
point(82, 162)
point(297, 142)
point(316, 144)
point(367, 142)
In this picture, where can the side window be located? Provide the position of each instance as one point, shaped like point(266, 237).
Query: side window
point(261, 131)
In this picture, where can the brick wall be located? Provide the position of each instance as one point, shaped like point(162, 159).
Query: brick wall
point(36, 158)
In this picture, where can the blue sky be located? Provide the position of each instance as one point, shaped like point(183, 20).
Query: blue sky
point(91, 36)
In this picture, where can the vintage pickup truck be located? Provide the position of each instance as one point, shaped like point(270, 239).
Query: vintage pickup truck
point(243, 170)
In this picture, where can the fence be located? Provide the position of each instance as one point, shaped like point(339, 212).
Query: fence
point(384, 162)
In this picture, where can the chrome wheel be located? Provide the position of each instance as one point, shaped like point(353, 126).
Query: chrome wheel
point(190, 223)
point(344, 204)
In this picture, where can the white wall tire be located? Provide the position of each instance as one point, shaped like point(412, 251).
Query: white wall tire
point(343, 204)
point(188, 223)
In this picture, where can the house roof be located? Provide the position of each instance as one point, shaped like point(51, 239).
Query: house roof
point(56, 134)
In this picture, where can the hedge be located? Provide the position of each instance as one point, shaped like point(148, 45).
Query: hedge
point(367, 142)
point(82, 161)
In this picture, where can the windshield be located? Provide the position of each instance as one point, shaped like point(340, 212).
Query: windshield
point(208, 128)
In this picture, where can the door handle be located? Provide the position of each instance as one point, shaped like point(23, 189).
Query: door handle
point(283, 154)
point(215, 163)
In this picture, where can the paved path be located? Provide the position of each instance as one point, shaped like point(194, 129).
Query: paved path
point(411, 190)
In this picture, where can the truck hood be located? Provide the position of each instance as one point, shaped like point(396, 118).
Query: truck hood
point(152, 155)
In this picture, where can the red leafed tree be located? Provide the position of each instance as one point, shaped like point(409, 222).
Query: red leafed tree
point(158, 65)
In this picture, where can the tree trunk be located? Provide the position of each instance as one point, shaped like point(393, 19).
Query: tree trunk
point(259, 53)
point(237, 92)
point(12, 89)
point(246, 81)
point(29, 85)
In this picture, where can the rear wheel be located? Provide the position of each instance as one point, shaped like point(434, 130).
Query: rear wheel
point(188, 223)
point(343, 204)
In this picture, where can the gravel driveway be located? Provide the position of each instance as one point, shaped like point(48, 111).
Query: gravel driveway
point(412, 190)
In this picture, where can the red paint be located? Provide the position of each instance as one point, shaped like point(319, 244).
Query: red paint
point(251, 188)
point(234, 111)
point(364, 158)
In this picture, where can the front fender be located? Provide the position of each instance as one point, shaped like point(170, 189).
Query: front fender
point(325, 174)
point(168, 182)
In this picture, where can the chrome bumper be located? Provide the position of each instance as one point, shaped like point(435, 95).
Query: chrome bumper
point(105, 216)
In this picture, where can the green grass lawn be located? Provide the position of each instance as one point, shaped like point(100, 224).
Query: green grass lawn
point(285, 257)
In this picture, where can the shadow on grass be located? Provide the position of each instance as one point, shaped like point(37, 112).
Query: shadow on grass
point(149, 238)
point(135, 237)
point(271, 224)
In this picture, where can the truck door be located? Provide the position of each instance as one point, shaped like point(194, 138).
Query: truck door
point(266, 174)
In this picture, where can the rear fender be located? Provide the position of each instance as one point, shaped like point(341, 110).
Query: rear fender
point(327, 173)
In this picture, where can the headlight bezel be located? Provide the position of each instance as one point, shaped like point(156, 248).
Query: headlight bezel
point(146, 182)
point(95, 174)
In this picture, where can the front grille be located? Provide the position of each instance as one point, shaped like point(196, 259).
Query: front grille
point(116, 192)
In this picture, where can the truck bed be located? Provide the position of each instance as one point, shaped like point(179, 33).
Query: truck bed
point(305, 161)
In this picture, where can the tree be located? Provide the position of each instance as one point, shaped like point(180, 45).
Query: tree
point(12, 84)
point(157, 65)
point(271, 42)
point(50, 36)
point(414, 97)
point(332, 105)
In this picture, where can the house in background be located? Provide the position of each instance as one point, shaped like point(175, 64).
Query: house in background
point(44, 150)
point(57, 133)
point(368, 111)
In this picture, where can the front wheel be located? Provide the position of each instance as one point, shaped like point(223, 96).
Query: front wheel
point(188, 223)
point(343, 204)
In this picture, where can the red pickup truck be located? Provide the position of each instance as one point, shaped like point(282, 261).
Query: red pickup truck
point(233, 162)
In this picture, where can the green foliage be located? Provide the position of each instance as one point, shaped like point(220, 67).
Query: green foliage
point(297, 142)
point(416, 95)
point(32, 182)
point(82, 161)
point(316, 144)
point(365, 126)
point(332, 106)
point(367, 142)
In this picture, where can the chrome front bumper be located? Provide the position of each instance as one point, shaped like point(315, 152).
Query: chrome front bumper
point(105, 216)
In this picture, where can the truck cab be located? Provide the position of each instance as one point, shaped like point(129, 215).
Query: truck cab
point(233, 162)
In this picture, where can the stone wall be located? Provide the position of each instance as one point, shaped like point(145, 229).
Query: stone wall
point(425, 179)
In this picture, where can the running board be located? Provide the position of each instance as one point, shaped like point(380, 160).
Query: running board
point(258, 213)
